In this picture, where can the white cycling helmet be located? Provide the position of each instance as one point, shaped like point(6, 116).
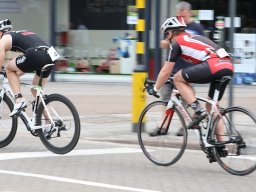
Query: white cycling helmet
point(5, 25)
point(173, 23)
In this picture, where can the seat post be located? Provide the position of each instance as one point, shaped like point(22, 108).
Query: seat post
point(42, 72)
point(216, 95)
point(41, 78)
point(220, 83)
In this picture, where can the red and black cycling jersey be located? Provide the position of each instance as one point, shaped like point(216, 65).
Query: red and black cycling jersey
point(25, 40)
point(192, 48)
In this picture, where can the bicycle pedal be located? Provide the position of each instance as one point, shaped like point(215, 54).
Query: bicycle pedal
point(63, 129)
point(49, 133)
point(223, 152)
point(211, 158)
point(194, 127)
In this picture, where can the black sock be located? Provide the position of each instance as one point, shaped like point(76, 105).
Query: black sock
point(197, 107)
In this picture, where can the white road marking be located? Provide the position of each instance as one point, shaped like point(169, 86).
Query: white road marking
point(122, 150)
point(84, 152)
point(81, 182)
point(23, 155)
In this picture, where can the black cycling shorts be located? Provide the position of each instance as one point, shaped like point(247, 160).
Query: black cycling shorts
point(34, 60)
point(201, 74)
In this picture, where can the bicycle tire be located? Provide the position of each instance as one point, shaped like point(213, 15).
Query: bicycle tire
point(240, 137)
point(163, 150)
point(66, 122)
point(8, 125)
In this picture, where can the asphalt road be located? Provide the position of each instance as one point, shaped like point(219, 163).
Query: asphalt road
point(108, 157)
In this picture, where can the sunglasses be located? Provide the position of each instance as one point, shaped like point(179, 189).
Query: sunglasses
point(166, 33)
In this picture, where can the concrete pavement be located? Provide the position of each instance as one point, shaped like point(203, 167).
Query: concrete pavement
point(104, 99)
point(104, 102)
point(106, 158)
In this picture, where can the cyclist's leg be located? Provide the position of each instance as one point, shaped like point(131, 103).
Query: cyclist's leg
point(220, 125)
point(217, 68)
point(184, 87)
point(196, 74)
point(44, 59)
point(13, 73)
point(35, 81)
point(226, 70)
point(20, 65)
point(181, 130)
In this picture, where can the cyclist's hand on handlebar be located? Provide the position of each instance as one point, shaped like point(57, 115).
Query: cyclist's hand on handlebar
point(151, 91)
point(149, 86)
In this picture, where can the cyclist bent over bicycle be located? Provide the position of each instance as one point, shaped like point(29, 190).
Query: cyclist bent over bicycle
point(36, 54)
point(211, 62)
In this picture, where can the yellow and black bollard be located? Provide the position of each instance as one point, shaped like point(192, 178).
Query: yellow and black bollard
point(139, 73)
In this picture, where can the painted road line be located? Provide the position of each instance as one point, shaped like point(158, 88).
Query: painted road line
point(75, 181)
point(83, 152)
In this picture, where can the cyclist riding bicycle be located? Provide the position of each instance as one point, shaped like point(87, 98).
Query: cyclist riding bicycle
point(184, 10)
point(210, 63)
point(35, 54)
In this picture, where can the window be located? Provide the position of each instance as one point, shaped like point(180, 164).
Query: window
point(99, 14)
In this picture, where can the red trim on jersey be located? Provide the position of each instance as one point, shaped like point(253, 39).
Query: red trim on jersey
point(217, 64)
point(27, 33)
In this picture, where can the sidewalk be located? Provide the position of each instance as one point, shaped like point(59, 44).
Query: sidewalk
point(106, 107)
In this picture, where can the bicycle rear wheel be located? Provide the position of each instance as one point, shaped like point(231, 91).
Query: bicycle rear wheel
point(8, 125)
point(240, 137)
point(163, 150)
point(61, 136)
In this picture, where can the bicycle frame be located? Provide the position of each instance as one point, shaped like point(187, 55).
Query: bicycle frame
point(214, 110)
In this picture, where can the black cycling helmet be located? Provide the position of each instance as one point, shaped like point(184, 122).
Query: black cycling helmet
point(5, 25)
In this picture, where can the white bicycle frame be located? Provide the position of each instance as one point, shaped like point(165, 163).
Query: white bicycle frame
point(214, 109)
point(29, 122)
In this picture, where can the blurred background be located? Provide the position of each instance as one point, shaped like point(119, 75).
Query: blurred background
point(99, 36)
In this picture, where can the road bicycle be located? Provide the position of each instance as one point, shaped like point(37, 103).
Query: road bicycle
point(54, 119)
point(231, 127)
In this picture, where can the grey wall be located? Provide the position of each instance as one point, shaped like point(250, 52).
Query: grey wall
point(35, 14)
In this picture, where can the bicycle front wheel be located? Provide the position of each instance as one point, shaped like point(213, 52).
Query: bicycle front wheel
point(61, 135)
point(165, 149)
point(8, 125)
point(238, 133)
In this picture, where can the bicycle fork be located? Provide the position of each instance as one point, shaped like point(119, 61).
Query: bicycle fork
point(167, 118)
point(170, 111)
